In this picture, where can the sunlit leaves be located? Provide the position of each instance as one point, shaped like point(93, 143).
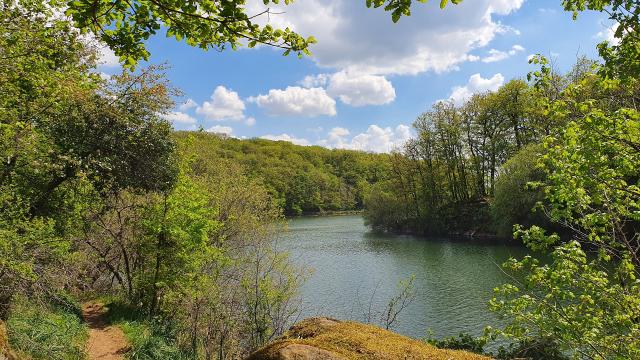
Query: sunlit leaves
point(621, 57)
point(400, 8)
point(125, 26)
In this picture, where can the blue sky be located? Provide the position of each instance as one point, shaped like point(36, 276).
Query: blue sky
point(368, 78)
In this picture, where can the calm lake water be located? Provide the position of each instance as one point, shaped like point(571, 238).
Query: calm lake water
point(351, 266)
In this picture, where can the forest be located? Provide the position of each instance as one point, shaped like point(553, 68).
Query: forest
point(301, 179)
point(182, 255)
point(467, 170)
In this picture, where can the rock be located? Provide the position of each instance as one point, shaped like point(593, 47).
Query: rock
point(330, 339)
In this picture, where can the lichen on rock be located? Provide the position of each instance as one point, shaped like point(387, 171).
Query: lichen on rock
point(330, 339)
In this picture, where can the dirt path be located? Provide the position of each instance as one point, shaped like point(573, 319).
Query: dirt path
point(105, 342)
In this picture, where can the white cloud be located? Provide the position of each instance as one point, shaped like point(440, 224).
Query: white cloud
point(477, 84)
point(361, 89)
point(355, 89)
point(180, 118)
point(498, 55)
point(106, 56)
point(250, 121)
point(189, 104)
point(375, 139)
point(225, 104)
point(311, 81)
point(609, 34)
point(218, 129)
point(287, 137)
point(296, 101)
point(338, 132)
point(351, 37)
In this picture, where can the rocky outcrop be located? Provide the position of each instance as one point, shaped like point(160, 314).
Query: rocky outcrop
point(329, 339)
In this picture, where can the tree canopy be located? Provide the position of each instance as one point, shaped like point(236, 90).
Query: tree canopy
point(210, 24)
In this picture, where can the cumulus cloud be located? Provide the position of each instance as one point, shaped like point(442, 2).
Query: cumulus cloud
point(609, 34)
point(361, 89)
point(311, 81)
point(498, 55)
point(180, 118)
point(375, 139)
point(296, 101)
point(477, 84)
point(355, 89)
point(189, 104)
point(351, 37)
point(225, 104)
point(250, 121)
point(107, 58)
point(218, 129)
point(287, 137)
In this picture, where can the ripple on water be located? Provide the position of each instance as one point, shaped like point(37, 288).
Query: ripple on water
point(353, 267)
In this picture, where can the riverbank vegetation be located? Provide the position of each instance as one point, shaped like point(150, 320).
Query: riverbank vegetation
point(98, 199)
point(468, 167)
point(301, 179)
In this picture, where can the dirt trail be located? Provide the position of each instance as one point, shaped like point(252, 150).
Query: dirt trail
point(105, 342)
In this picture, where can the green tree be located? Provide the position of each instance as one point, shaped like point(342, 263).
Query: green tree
point(620, 57)
point(587, 297)
point(68, 140)
point(515, 200)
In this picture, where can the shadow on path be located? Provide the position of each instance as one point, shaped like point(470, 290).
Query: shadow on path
point(105, 342)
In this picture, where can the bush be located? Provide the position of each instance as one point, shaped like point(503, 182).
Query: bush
point(149, 340)
point(383, 210)
point(462, 342)
point(148, 343)
point(44, 333)
point(528, 349)
point(514, 200)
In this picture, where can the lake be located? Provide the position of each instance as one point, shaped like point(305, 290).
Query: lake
point(353, 268)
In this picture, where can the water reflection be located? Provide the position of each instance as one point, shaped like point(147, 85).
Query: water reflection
point(454, 279)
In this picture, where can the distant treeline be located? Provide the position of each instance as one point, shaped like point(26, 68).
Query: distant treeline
point(301, 179)
point(468, 168)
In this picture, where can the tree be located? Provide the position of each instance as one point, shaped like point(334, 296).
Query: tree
point(587, 297)
point(515, 200)
point(621, 56)
point(68, 140)
point(125, 26)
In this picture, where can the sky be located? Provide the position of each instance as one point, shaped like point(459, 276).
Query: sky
point(368, 78)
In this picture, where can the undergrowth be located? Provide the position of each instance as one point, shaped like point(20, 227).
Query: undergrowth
point(149, 339)
point(47, 331)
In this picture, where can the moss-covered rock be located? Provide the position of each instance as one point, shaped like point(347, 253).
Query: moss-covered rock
point(329, 339)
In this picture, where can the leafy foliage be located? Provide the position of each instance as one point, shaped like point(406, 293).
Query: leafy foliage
point(399, 8)
point(124, 26)
point(516, 196)
point(586, 299)
point(442, 180)
point(68, 140)
point(621, 56)
point(302, 179)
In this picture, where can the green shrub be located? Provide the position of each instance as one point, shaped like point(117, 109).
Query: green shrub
point(149, 340)
point(514, 200)
point(147, 343)
point(462, 342)
point(530, 349)
point(44, 333)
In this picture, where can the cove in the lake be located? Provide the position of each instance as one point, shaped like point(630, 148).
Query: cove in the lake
point(351, 266)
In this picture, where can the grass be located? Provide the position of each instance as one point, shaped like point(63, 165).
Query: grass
point(46, 332)
point(149, 340)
